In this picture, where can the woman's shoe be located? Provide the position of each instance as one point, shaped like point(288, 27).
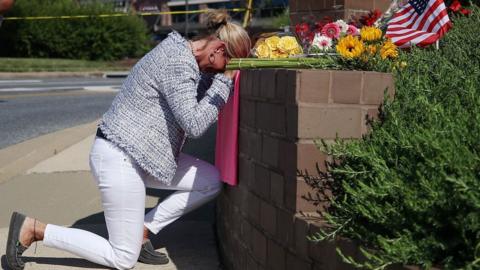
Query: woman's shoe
point(149, 255)
point(14, 248)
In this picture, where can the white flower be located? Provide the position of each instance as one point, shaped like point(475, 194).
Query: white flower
point(322, 42)
point(343, 26)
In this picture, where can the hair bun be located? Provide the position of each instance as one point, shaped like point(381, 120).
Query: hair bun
point(217, 18)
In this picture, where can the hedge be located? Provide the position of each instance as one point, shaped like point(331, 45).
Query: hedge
point(91, 39)
point(409, 191)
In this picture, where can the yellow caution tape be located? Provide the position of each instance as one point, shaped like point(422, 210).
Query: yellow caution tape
point(116, 15)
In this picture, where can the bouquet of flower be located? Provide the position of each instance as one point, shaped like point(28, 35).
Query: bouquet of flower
point(360, 47)
point(277, 47)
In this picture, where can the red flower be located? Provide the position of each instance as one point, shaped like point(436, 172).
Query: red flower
point(331, 30)
point(455, 6)
point(321, 23)
point(302, 29)
point(465, 11)
point(371, 17)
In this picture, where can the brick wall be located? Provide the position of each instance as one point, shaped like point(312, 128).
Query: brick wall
point(337, 9)
point(281, 113)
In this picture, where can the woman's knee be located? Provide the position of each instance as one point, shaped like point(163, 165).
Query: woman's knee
point(125, 260)
point(214, 186)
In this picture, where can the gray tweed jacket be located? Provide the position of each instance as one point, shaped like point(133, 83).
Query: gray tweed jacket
point(159, 104)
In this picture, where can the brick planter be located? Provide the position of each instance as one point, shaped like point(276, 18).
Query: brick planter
point(281, 113)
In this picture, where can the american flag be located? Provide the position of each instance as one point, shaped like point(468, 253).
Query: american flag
point(419, 22)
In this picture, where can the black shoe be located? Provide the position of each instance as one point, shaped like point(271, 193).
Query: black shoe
point(149, 255)
point(14, 248)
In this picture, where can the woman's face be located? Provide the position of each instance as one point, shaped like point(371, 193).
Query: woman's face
point(216, 57)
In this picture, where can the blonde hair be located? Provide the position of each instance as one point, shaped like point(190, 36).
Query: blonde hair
point(236, 38)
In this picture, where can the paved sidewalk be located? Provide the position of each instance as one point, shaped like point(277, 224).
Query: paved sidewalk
point(56, 187)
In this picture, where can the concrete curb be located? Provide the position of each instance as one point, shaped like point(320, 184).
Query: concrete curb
point(18, 158)
point(10, 75)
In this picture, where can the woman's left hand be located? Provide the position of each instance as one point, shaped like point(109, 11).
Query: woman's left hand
point(230, 73)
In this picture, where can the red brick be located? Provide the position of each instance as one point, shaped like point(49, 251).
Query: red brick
point(287, 160)
point(309, 157)
point(262, 180)
point(291, 193)
point(268, 218)
point(301, 232)
point(240, 199)
point(359, 4)
point(382, 4)
point(251, 145)
point(307, 5)
point(314, 86)
point(247, 113)
point(293, 262)
point(246, 171)
point(292, 122)
point(256, 82)
point(375, 85)
point(277, 187)
point(270, 117)
point(285, 227)
point(292, 4)
point(346, 87)
point(270, 151)
point(286, 85)
point(246, 84)
point(254, 208)
point(326, 122)
point(267, 83)
point(276, 258)
point(241, 256)
point(303, 192)
point(259, 249)
point(323, 253)
point(245, 233)
point(372, 114)
point(252, 264)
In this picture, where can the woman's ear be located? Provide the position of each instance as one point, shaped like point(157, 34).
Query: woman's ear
point(218, 45)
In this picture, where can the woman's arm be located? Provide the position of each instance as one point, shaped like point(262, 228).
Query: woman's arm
point(180, 91)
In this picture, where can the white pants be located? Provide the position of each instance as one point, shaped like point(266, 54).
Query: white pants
point(122, 186)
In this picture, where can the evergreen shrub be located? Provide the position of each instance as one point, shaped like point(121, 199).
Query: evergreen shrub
point(90, 39)
point(409, 191)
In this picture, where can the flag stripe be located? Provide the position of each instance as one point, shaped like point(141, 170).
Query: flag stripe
point(419, 22)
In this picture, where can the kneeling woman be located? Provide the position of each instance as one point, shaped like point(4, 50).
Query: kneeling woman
point(174, 91)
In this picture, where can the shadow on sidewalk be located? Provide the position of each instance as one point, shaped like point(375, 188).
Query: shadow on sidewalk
point(190, 241)
point(72, 262)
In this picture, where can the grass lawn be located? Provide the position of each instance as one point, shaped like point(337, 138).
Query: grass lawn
point(46, 64)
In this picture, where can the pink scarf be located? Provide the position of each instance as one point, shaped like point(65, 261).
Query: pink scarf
point(226, 148)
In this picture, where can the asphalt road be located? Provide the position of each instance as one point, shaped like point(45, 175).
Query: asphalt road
point(57, 84)
point(30, 108)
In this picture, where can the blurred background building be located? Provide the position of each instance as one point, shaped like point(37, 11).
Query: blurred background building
point(267, 15)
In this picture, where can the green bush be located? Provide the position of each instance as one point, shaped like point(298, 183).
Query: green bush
point(409, 191)
point(92, 38)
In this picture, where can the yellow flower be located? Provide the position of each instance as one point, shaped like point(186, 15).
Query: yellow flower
point(350, 47)
point(370, 33)
point(371, 49)
point(278, 54)
point(296, 51)
point(272, 42)
point(262, 50)
point(389, 50)
point(287, 44)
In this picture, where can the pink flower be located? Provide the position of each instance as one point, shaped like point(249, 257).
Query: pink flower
point(331, 30)
point(352, 30)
